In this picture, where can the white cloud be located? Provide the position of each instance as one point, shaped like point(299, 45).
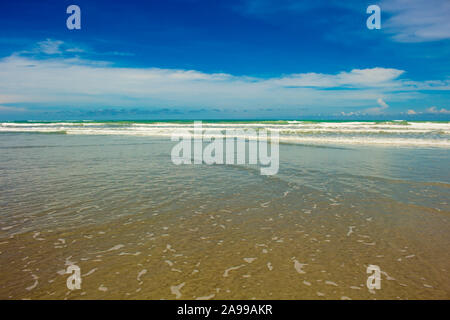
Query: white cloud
point(417, 20)
point(382, 104)
point(378, 110)
point(432, 110)
point(435, 110)
point(64, 82)
point(50, 46)
point(372, 77)
point(406, 20)
point(75, 50)
point(4, 109)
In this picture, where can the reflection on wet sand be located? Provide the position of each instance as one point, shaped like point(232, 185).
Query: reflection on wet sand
point(273, 252)
point(156, 231)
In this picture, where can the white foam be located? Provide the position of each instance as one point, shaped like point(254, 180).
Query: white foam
point(102, 288)
point(226, 273)
point(299, 266)
point(34, 285)
point(364, 133)
point(350, 231)
point(176, 290)
point(140, 274)
point(117, 247)
point(90, 272)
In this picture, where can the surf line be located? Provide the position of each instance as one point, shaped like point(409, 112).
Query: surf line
point(234, 152)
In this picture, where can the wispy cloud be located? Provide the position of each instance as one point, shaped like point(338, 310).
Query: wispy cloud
point(405, 20)
point(431, 110)
point(378, 110)
point(356, 78)
point(417, 20)
point(57, 48)
point(55, 80)
point(50, 46)
point(436, 110)
point(73, 82)
point(383, 106)
point(4, 109)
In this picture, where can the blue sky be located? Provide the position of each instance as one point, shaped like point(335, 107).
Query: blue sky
point(244, 59)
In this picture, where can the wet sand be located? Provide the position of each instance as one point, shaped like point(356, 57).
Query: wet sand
point(151, 230)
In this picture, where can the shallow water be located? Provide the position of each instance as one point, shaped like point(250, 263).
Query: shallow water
point(140, 227)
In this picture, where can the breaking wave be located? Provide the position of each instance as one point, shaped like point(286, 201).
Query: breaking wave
point(394, 133)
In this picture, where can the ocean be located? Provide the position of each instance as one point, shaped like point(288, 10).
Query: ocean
point(106, 197)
